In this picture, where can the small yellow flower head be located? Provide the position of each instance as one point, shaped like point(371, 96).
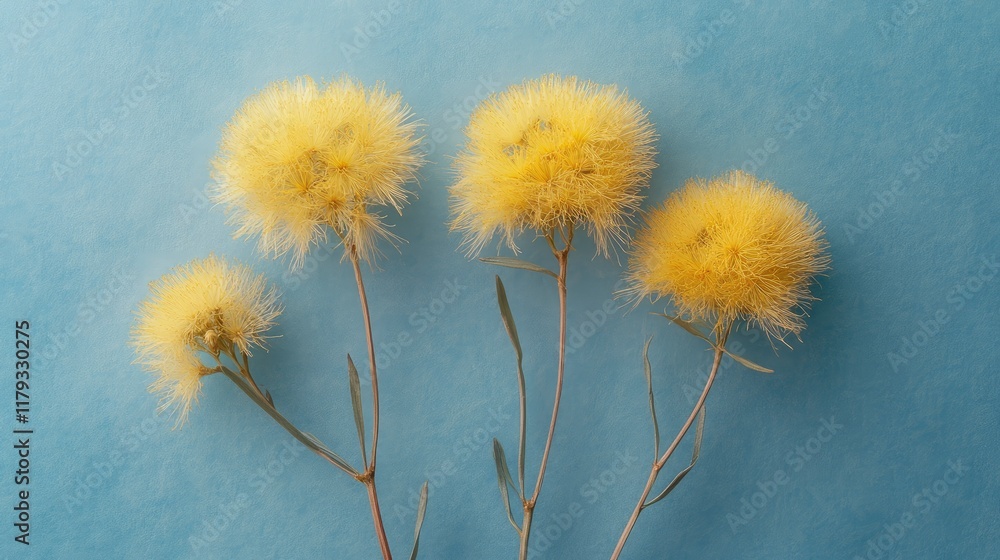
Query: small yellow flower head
point(733, 247)
point(297, 159)
point(552, 153)
point(205, 306)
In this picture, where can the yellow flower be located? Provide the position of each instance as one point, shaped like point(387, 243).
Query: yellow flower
point(552, 153)
point(206, 306)
point(297, 159)
point(733, 247)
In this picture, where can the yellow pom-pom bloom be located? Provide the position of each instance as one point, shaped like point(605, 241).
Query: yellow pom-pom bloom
point(733, 247)
point(297, 159)
point(552, 153)
point(204, 307)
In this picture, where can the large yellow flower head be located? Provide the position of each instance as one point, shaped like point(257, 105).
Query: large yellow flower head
point(729, 248)
point(203, 308)
point(298, 159)
point(552, 153)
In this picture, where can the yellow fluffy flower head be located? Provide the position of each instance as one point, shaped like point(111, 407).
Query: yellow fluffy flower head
point(552, 153)
point(297, 159)
point(205, 307)
point(729, 248)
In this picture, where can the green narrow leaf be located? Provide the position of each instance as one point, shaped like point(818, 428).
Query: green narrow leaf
point(511, 262)
point(508, 323)
point(698, 432)
point(652, 404)
point(421, 510)
point(747, 363)
point(503, 479)
point(689, 327)
point(508, 318)
point(306, 438)
point(701, 324)
point(359, 414)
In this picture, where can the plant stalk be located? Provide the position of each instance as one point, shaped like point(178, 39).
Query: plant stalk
point(371, 353)
point(658, 465)
point(244, 381)
point(383, 541)
point(562, 256)
point(526, 531)
point(368, 478)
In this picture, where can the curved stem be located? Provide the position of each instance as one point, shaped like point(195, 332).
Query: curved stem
point(243, 380)
point(635, 513)
point(371, 353)
point(383, 541)
point(526, 532)
point(241, 362)
point(721, 336)
point(368, 478)
point(562, 256)
point(522, 436)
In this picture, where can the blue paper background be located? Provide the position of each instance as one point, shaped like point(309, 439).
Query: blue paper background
point(837, 102)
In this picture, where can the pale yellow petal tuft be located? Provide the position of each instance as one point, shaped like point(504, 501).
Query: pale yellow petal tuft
point(553, 153)
point(297, 159)
point(729, 248)
point(194, 310)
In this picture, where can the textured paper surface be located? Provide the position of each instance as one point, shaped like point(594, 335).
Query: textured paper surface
point(837, 102)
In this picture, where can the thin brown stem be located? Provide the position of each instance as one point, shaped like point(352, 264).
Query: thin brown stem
point(562, 256)
point(371, 352)
point(242, 379)
point(368, 478)
point(635, 513)
point(383, 541)
point(245, 381)
point(522, 435)
point(721, 335)
point(242, 363)
point(526, 532)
